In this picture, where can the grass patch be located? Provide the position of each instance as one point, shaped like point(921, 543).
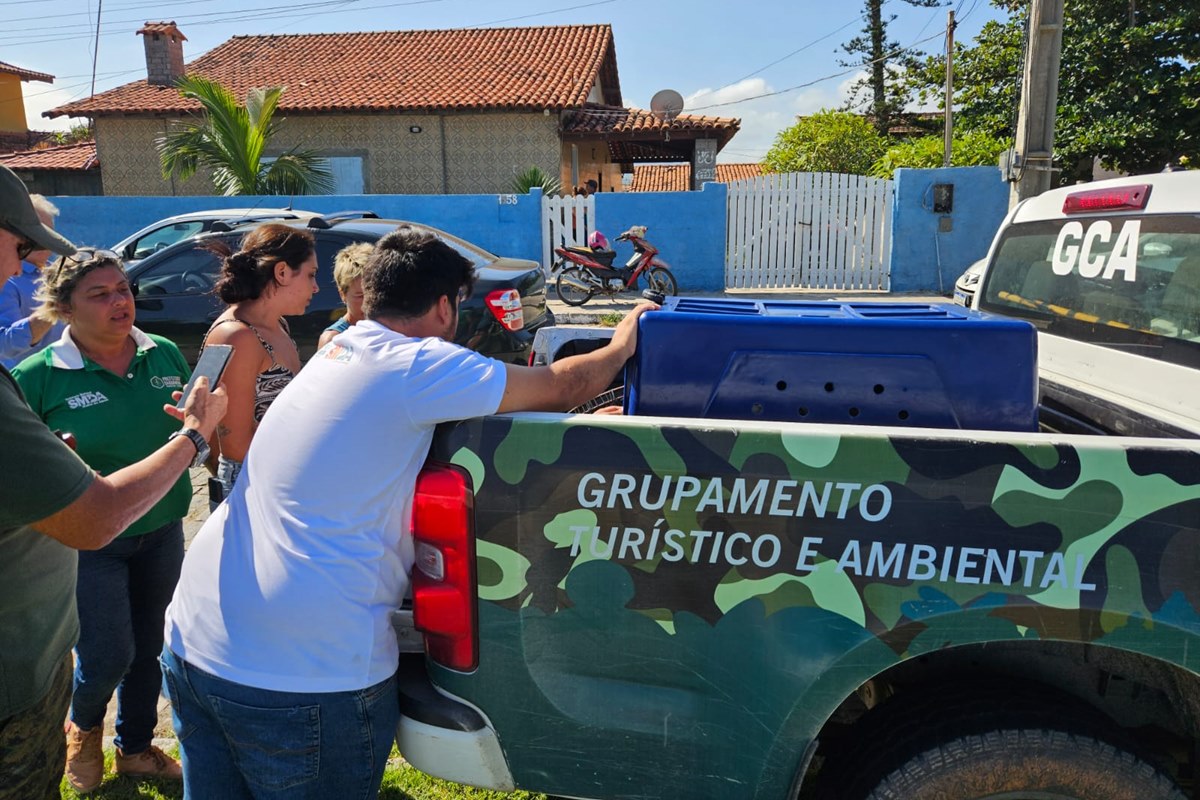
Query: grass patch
point(403, 782)
point(121, 787)
point(400, 782)
point(611, 319)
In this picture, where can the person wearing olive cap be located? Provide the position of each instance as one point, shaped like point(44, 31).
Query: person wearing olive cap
point(51, 502)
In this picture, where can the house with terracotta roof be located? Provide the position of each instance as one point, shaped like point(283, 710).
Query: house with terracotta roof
point(66, 169)
point(14, 127)
point(678, 177)
point(409, 112)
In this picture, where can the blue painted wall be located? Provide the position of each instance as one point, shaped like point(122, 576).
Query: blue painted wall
point(688, 228)
point(509, 229)
point(925, 258)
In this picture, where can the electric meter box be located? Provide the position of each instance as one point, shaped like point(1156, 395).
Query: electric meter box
point(899, 364)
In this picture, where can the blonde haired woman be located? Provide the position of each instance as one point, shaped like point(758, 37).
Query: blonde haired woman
point(347, 274)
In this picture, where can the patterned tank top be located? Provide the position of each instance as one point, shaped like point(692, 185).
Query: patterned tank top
point(268, 383)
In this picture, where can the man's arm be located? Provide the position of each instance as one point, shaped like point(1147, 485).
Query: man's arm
point(567, 383)
point(112, 502)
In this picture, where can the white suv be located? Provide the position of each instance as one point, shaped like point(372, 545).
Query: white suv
point(1109, 272)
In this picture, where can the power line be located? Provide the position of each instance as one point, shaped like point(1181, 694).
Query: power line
point(223, 16)
point(162, 13)
point(542, 13)
point(806, 84)
point(789, 55)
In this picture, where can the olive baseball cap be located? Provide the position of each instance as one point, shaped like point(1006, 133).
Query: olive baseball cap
point(17, 213)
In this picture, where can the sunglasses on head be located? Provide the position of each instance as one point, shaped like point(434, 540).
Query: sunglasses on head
point(86, 255)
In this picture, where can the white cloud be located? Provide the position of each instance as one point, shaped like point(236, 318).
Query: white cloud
point(762, 117)
point(39, 99)
point(750, 87)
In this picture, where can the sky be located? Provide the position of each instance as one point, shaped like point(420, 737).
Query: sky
point(763, 61)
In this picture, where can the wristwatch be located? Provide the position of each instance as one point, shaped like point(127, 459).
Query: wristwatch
point(198, 440)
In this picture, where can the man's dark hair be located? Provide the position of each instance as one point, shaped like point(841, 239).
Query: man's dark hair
point(409, 270)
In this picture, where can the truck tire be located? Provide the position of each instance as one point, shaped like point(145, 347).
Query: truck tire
point(1022, 764)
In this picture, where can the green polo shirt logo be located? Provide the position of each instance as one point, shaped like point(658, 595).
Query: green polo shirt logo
point(117, 420)
point(86, 400)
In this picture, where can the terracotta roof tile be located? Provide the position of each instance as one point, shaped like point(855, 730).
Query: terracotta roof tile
point(26, 74)
point(727, 173)
point(678, 177)
point(167, 28)
point(468, 69)
point(71, 157)
point(594, 118)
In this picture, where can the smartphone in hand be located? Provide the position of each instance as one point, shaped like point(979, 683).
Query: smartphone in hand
point(211, 365)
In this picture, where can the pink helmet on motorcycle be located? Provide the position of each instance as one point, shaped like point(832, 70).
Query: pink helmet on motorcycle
point(598, 241)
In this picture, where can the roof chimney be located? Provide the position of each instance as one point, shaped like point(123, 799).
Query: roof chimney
point(164, 53)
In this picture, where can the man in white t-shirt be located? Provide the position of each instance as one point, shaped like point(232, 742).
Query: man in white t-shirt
point(280, 656)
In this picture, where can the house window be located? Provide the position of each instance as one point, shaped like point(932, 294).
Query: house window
point(347, 174)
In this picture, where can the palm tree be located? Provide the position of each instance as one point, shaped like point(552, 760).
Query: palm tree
point(230, 139)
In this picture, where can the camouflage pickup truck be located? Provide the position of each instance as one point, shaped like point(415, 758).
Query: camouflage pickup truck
point(720, 609)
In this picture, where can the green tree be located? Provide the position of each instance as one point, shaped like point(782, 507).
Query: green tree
point(828, 141)
point(882, 93)
point(969, 149)
point(76, 133)
point(1129, 84)
point(231, 140)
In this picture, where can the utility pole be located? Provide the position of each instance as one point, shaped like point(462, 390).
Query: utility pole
point(1031, 164)
point(949, 87)
point(96, 46)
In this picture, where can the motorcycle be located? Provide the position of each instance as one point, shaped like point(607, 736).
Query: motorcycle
point(584, 272)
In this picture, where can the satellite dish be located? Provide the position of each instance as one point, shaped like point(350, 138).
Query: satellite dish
point(666, 104)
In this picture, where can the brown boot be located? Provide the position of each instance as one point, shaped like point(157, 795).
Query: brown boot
point(85, 757)
point(150, 762)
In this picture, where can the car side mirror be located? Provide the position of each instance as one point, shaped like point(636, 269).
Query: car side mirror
point(135, 288)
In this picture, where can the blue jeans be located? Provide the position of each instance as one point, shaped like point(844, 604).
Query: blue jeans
point(241, 742)
point(122, 594)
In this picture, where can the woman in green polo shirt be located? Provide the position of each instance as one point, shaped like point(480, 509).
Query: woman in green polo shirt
point(106, 382)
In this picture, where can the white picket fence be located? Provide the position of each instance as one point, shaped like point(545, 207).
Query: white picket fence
point(807, 230)
point(565, 221)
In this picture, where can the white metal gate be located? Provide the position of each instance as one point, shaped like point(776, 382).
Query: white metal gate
point(808, 230)
point(565, 221)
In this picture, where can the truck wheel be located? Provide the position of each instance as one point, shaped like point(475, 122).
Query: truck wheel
point(1022, 764)
point(573, 287)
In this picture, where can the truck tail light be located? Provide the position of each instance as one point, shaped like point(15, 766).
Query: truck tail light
point(1120, 198)
point(443, 577)
point(505, 305)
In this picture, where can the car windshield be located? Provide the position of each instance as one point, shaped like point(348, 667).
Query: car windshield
point(1128, 282)
point(164, 237)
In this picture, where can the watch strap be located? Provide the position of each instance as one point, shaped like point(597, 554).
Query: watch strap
point(197, 439)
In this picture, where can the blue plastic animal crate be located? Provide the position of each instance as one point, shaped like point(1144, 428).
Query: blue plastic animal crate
point(908, 364)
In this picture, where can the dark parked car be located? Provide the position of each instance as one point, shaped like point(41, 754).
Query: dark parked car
point(175, 297)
